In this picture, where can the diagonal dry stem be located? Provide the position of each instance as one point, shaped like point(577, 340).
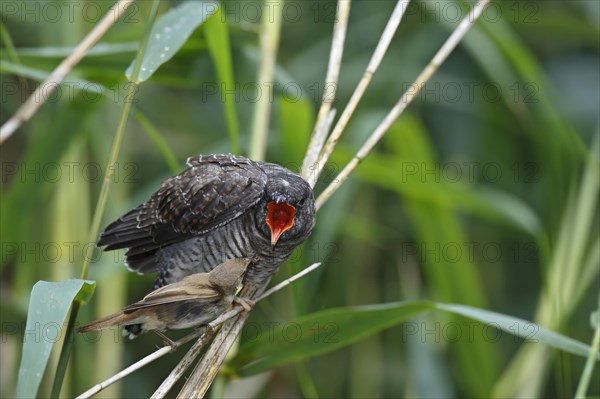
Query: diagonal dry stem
point(380, 50)
point(406, 98)
point(331, 81)
point(125, 372)
point(43, 91)
point(288, 281)
point(317, 141)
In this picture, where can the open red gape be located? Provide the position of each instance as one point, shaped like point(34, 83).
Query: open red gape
point(280, 218)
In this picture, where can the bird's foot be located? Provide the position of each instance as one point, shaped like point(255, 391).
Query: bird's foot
point(168, 341)
point(247, 303)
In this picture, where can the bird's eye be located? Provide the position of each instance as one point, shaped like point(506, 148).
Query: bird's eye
point(302, 202)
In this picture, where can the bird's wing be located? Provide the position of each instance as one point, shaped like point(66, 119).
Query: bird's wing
point(214, 190)
point(176, 292)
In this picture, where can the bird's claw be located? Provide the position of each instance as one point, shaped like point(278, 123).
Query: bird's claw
point(247, 303)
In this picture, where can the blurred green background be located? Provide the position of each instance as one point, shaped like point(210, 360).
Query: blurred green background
point(484, 192)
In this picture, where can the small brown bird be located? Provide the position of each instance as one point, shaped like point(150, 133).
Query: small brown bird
point(193, 301)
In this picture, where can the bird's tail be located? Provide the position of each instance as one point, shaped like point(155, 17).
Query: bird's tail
point(116, 319)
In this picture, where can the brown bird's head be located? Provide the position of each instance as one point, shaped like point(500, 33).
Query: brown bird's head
point(287, 212)
point(228, 275)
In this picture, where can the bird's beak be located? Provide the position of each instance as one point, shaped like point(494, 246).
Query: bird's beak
point(280, 218)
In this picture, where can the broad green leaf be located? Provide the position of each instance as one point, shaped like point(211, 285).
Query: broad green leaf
point(321, 332)
point(326, 331)
point(48, 308)
point(217, 40)
point(170, 32)
point(522, 328)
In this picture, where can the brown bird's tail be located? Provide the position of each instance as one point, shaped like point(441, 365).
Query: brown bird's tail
point(116, 319)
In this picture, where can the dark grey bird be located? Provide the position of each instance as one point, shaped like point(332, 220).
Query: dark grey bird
point(196, 300)
point(222, 207)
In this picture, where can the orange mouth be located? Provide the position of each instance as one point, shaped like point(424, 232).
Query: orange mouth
point(280, 218)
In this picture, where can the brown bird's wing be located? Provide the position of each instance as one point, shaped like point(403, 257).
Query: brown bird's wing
point(115, 319)
point(184, 290)
point(213, 191)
